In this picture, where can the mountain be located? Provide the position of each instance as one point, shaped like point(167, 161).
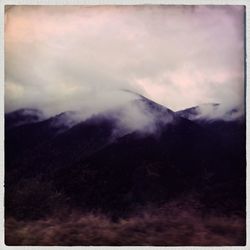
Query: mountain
point(212, 112)
point(116, 160)
point(23, 116)
point(61, 133)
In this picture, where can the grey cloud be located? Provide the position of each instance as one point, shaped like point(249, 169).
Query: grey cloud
point(191, 54)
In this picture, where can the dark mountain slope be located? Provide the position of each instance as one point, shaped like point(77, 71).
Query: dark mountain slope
point(135, 168)
point(41, 149)
point(21, 117)
point(62, 139)
point(100, 164)
point(140, 168)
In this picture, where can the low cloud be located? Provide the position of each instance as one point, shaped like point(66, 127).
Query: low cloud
point(60, 58)
point(219, 111)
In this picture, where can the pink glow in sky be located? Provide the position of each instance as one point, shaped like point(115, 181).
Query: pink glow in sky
point(61, 56)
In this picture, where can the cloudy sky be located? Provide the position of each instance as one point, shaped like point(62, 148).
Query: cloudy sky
point(62, 57)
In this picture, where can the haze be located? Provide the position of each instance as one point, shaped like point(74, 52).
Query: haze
point(61, 58)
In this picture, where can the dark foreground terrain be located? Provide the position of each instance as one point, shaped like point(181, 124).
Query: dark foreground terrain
point(179, 181)
point(171, 225)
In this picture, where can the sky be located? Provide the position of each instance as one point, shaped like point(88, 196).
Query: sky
point(61, 58)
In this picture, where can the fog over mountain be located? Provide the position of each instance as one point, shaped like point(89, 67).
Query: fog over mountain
point(213, 111)
point(177, 56)
point(125, 125)
point(112, 164)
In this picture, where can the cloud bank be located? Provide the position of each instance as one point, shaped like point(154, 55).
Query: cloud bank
point(60, 58)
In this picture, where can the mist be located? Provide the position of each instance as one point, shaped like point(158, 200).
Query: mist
point(78, 58)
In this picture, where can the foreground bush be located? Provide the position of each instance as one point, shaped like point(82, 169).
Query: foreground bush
point(170, 225)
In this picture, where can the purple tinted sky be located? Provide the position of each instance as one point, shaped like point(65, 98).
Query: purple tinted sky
point(60, 57)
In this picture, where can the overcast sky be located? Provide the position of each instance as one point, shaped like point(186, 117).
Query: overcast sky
point(62, 57)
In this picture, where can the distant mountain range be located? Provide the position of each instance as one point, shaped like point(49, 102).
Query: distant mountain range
point(109, 162)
